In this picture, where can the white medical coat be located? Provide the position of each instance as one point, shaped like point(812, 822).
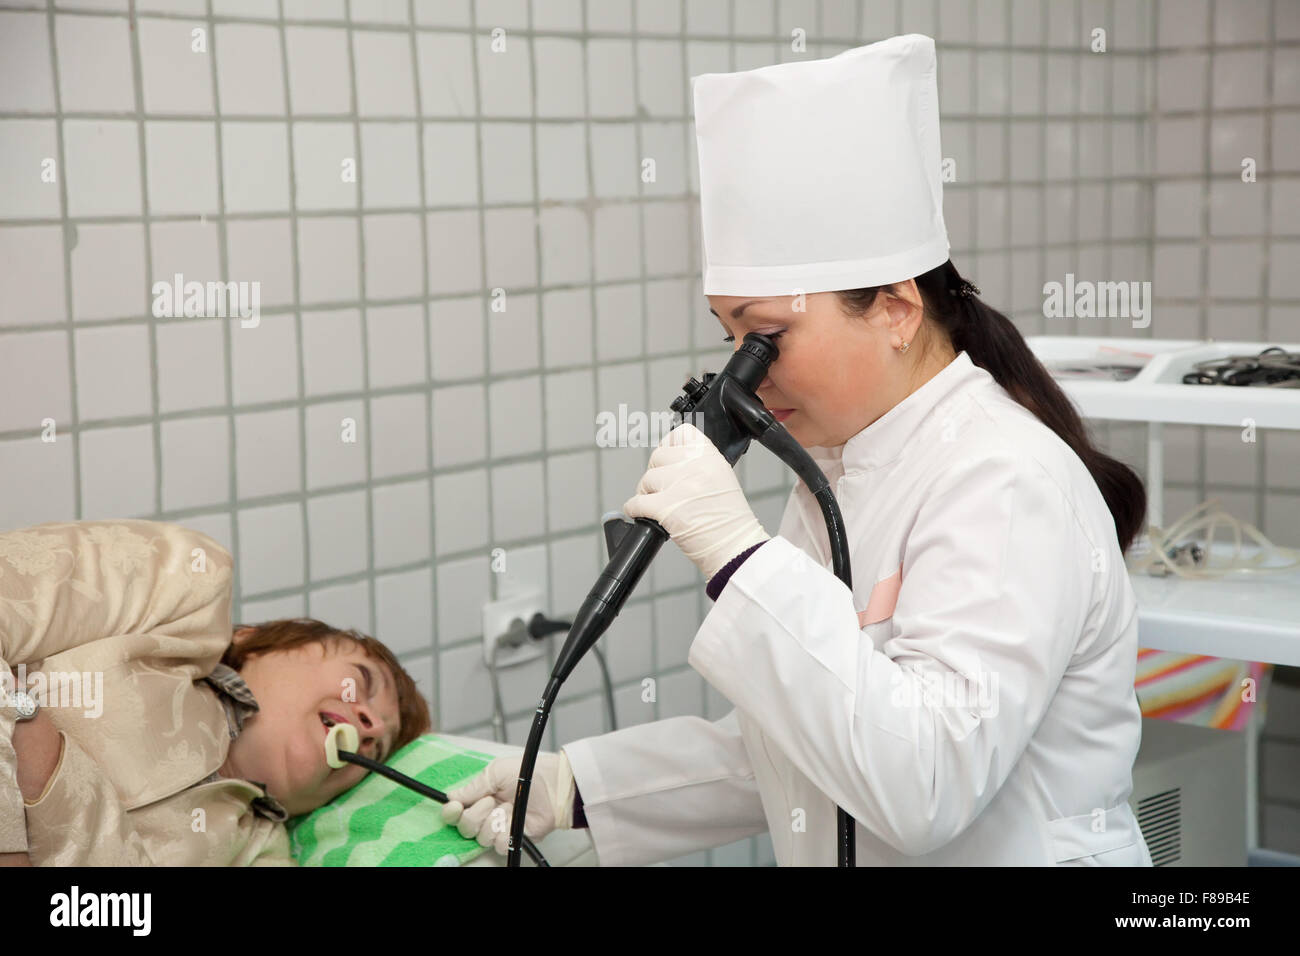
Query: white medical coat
point(988, 719)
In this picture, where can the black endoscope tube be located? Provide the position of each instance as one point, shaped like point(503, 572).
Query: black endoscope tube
point(424, 790)
point(745, 416)
point(781, 443)
point(635, 551)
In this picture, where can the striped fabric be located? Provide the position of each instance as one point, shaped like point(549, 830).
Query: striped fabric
point(1200, 690)
point(381, 823)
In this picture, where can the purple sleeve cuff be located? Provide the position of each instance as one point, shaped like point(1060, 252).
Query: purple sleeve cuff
point(579, 815)
point(719, 580)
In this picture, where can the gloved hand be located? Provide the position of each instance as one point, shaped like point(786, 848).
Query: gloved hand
point(473, 806)
point(691, 490)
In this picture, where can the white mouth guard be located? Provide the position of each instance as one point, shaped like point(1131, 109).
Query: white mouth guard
point(350, 738)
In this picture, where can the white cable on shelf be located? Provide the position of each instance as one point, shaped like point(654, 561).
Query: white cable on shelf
point(1176, 549)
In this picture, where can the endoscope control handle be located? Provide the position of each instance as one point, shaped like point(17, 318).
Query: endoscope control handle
point(616, 525)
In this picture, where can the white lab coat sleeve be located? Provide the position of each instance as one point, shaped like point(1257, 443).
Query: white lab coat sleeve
point(914, 739)
point(660, 790)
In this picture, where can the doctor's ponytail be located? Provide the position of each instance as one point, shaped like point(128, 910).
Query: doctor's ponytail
point(995, 344)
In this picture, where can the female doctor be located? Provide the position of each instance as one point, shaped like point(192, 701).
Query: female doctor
point(971, 700)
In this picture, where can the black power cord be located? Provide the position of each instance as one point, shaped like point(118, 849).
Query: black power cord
point(540, 626)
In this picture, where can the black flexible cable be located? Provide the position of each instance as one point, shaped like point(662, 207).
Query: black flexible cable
point(526, 766)
point(1273, 367)
point(782, 444)
point(846, 827)
point(424, 789)
point(540, 626)
point(734, 392)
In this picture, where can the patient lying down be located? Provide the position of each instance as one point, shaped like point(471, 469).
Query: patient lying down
point(209, 736)
point(282, 685)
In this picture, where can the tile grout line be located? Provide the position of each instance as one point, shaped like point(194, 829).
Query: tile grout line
point(227, 333)
point(298, 403)
point(1203, 281)
point(593, 204)
point(1043, 257)
point(67, 229)
point(1076, 63)
point(392, 26)
point(552, 734)
point(363, 320)
point(327, 305)
point(427, 388)
point(701, 596)
point(1266, 155)
point(151, 321)
point(641, 364)
point(1108, 108)
point(475, 39)
point(563, 120)
point(1151, 100)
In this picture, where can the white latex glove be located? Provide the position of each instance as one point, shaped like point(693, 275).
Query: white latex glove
point(691, 490)
point(482, 808)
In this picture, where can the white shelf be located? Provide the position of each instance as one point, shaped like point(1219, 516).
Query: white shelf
point(1240, 618)
point(1157, 393)
point(1255, 618)
point(1248, 619)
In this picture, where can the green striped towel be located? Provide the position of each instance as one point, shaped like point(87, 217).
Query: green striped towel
point(379, 822)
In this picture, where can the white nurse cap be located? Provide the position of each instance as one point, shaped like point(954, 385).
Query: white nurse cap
point(821, 175)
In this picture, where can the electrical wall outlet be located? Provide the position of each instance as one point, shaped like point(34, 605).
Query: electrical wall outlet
point(497, 619)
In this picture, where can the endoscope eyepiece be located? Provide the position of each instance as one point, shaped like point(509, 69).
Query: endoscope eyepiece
point(748, 365)
point(761, 347)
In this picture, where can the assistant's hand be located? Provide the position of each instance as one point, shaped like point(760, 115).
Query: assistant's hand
point(483, 807)
point(691, 490)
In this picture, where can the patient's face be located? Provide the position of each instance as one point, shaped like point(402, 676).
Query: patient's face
point(283, 744)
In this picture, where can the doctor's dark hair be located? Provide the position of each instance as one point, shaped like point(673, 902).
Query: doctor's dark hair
point(994, 344)
point(287, 633)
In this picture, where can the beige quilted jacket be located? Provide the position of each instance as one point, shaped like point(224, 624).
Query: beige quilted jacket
point(144, 606)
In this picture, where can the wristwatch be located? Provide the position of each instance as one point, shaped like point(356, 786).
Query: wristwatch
point(25, 704)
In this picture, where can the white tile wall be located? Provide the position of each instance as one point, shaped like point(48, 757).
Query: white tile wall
point(328, 257)
point(345, 605)
point(250, 69)
point(390, 173)
point(108, 270)
point(31, 290)
point(228, 155)
point(337, 532)
point(395, 346)
point(331, 351)
point(401, 522)
point(385, 84)
point(176, 72)
point(192, 480)
point(403, 610)
point(264, 361)
point(191, 365)
point(336, 447)
point(267, 456)
point(102, 168)
point(318, 70)
point(512, 335)
point(261, 186)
